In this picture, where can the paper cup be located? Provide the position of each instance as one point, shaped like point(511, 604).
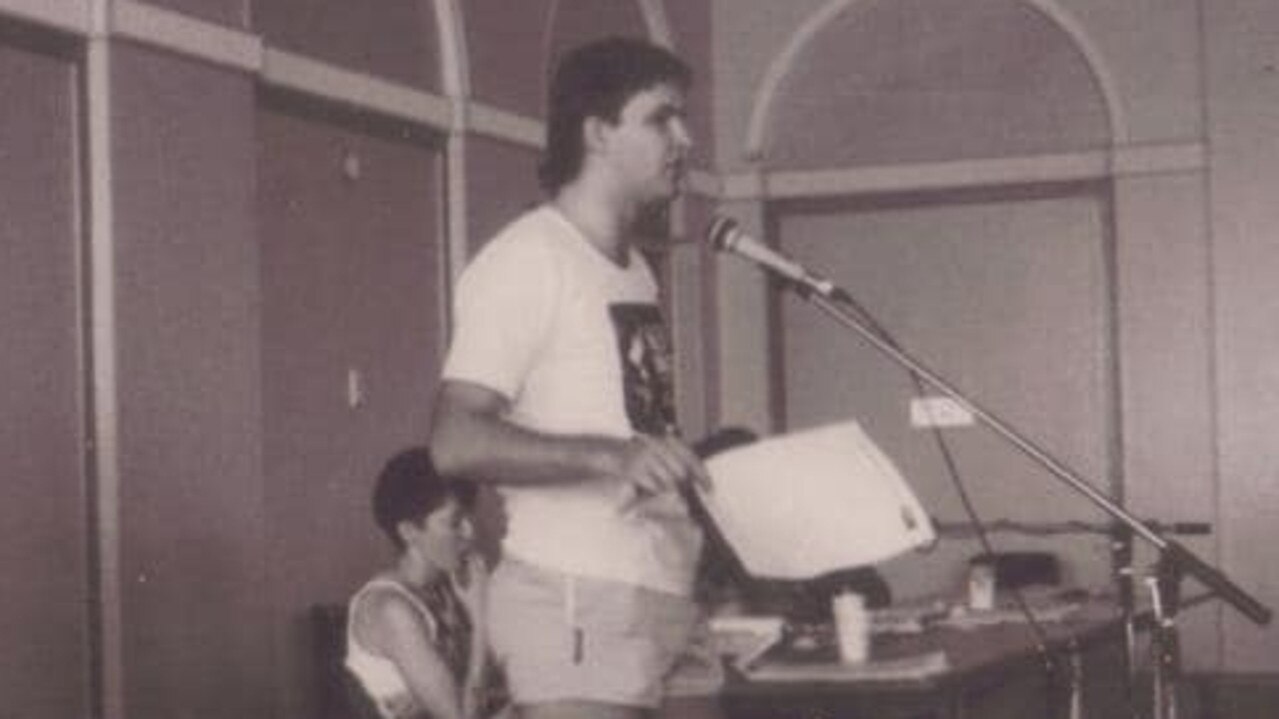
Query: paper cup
point(852, 627)
point(981, 586)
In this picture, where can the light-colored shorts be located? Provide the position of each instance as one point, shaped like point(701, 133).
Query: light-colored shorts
point(565, 637)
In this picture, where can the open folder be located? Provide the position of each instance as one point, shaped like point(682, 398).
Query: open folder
point(803, 504)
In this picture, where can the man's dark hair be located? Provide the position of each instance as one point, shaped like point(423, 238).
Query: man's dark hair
point(596, 80)
point(409, 489)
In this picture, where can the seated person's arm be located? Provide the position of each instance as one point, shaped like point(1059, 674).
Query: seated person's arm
point(472, 437)
point(391, 626)
point(472, 595)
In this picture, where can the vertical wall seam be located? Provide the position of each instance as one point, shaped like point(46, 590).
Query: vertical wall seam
point(104, 381)
point(656, 22)
point(1214, 334)
point(455, 70)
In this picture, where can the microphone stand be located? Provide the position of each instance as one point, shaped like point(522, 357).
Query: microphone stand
point(1175, 560)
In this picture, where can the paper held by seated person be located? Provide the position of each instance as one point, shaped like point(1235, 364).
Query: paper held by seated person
point(803, 504)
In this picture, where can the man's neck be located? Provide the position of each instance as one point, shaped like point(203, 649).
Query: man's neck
point(605, 222)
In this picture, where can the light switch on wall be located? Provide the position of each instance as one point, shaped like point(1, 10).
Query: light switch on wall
point(354, 388)
point(938, 412)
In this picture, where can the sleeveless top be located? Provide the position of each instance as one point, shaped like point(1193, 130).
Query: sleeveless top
point(448, 628)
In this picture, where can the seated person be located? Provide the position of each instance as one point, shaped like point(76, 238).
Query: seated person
point(413, 635)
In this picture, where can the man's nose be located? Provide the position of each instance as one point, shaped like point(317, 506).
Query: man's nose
point(683, 136)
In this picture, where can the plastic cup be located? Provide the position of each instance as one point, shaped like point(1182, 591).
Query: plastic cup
point(852, 627)
point(981, 585)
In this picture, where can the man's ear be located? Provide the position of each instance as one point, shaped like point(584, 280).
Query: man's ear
point(594, 133)
point(404, 529)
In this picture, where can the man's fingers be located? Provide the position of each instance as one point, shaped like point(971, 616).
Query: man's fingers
point(659, 464)
point(694, 471)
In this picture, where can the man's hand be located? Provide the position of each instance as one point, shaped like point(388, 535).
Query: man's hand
point(652, 465)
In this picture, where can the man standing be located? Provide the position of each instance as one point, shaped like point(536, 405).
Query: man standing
point(557, 388)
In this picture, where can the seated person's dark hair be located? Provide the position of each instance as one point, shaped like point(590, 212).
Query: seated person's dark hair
point(408, 489)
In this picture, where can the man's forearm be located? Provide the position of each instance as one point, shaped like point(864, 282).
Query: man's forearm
point(493, 449)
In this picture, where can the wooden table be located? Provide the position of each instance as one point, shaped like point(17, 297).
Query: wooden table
point(992, 671)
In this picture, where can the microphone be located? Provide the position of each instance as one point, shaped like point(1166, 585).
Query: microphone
point(725, 235)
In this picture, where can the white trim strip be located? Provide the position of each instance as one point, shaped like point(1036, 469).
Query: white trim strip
point(743, 186)
point(1160, 159)
point(183, 34)
point(106, 452)
point(705, 183)
point(1125, 161)
point(313, 77)
point(963, 173)
point(457, 227)
point(656, 22)
point(502, 125)
point(454, 69)
point(71, 17)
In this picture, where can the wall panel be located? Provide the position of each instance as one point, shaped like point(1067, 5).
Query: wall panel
point(351, 247)
point(1243, 124)
point(691, 37)
point(925, 81)
point(506, 52)
point(577, 21)
point(501, 183)
point(1005, 294)
point(391, 39)
point(191, 533)
point(232, 13)
point(47, 600)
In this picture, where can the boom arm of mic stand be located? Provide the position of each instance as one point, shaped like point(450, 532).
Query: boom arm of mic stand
point(1173, 551)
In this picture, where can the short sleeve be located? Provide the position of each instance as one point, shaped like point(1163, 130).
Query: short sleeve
point(502, 314)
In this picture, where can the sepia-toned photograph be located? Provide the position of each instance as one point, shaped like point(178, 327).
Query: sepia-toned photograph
point(639, 359)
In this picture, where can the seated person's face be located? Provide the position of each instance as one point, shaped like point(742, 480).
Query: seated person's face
point(444, 536)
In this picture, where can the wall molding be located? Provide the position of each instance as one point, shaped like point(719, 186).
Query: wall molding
point(455, 69)
point(705, 183)
point(456, 113)
point(65, 16)
point(185, 35)
point(1160, 158)
point(99, 224)
point(1128, 161)
point(501, 124)
point(656, 22)
point(313, 77)
point(820, 19)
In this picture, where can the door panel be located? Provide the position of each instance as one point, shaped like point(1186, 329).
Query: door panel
point(45, 605)
point(350, 226)
point(1006, 295)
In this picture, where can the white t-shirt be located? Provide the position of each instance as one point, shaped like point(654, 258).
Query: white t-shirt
point(575, 342)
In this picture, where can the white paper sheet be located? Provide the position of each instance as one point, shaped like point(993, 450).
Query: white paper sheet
point(799, 505)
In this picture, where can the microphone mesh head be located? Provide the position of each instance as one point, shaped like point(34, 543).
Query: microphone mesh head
point(720, 232)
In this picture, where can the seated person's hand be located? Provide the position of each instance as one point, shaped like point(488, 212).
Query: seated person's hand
point(470, 583)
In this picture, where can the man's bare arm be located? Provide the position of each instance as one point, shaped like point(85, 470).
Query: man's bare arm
point(471, 437)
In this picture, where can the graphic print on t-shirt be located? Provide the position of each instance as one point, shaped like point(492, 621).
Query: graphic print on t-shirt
point(647, 377)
